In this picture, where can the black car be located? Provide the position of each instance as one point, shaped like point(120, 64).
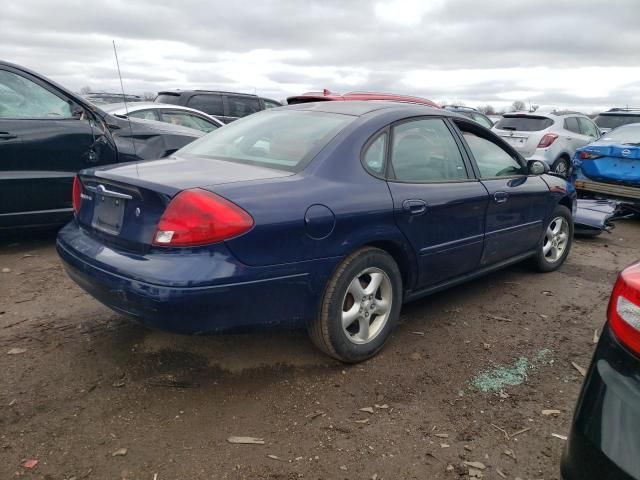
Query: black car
point(48, 134)
point(604, 443)
point(616, 117)
point(471, 113)
point(225, 106)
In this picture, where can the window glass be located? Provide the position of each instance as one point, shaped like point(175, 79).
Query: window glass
point(186, 119)
point(174, 99)
point(482, 120)
point(374, 156)
point(629, 134)
point(144, 114)
point(208, 103)
point(242, 106)
point(587, 127)
point(21, 98)
point(281, 139)
point(571, 124)
point(524, 123)
point(613, 120)
point(270, 103)
point(491, 159)
point(425, 151)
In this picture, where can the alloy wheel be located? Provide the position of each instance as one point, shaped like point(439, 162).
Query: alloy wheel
point(556, 239)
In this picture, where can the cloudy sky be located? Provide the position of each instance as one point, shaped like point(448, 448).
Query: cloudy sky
point(582, 54)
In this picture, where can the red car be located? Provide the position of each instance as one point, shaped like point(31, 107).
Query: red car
point(327, 95)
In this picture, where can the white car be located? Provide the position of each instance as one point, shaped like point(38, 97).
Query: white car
point(551, 137)
point(175, 114)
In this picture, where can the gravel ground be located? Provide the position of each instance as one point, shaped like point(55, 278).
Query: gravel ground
point(465, 377)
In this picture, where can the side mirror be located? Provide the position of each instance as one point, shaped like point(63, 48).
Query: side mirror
point(536, 167)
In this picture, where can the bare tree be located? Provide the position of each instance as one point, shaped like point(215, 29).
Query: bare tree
point(149, 96)
point(518, 105)
point(487, 109)
point(85, 90)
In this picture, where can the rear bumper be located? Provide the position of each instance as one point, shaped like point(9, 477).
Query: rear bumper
point(604, 443)
point(201, 291)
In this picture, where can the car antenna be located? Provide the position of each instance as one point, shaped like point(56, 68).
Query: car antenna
point(124, 99)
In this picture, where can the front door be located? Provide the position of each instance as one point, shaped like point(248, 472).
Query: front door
point(438, 205)
point(42, 146)
point(517, 202)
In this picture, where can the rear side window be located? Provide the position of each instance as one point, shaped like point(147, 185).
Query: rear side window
point(242, 106)
point(187, 119)
point(208, 103)
point(425, 151)
point(374, 155)
point(614, 121)
point(270, 103)
point(587, 127)
point(168, 98)
point(571, 124)
point(524, 123)
point(492, 160)
point(20, 97)
point(144, 114)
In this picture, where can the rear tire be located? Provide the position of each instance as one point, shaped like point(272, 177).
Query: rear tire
point(556, 241)
point(562, 166)
point(360, 307)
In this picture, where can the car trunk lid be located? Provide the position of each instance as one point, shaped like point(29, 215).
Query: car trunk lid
point(123, 204)
point(618, 163)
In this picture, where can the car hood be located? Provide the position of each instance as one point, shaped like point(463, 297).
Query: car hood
point(179, 172)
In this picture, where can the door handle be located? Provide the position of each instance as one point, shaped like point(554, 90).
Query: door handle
point(7, 136)
point(414, 207)
point(500, 197)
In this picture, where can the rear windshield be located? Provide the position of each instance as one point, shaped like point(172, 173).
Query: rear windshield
point(629, 134)
point(167, 98)
point(284, 140)
point(614, 121)
point(523, 123)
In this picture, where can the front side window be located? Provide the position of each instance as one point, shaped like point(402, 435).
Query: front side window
point(374, 155)
point(207, 103)
point(144, 114)
point(587, 127)
point(187, 120)
point(242, 106)
point(425, 151)
point(281, 139)
point(270, 103)
point(22, 98)
point(491, 159)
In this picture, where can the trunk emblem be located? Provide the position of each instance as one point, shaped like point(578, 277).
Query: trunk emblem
point(626, 152)
point(137, 211)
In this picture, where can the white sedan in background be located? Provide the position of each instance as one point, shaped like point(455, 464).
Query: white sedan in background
point(164, 112)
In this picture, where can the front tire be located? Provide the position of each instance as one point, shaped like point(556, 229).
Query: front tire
point(556, 242)
point(360, 307)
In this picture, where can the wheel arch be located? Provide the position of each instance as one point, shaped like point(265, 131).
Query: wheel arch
point(404, 259)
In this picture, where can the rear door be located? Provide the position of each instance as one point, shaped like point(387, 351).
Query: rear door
point(438, 205)
point(517, 201)
point(44, 140)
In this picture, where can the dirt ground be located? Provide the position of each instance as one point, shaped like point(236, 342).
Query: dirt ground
point(464, 378)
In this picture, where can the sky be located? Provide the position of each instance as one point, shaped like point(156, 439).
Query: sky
point(583, 55)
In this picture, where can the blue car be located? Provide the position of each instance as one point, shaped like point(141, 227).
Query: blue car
point(611, 166)
point(326, 215)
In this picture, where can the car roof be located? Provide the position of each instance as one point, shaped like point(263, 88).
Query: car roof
point(327, 95)
point(552, 114)
point(178, 91)
point(622, 111)
point(362, 107)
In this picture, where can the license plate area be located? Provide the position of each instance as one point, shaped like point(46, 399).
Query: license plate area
point(108, 214)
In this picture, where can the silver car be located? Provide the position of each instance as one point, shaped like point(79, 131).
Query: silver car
point(551, 137)
point(175, 114)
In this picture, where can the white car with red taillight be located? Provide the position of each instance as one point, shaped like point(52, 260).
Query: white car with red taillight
point(550, 137)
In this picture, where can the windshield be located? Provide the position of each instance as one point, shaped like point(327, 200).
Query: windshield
point(286, 140)
point(523, 123)
point(615, 121)
point(628, 134)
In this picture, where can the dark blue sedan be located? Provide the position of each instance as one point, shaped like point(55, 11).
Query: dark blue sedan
point(326, 215)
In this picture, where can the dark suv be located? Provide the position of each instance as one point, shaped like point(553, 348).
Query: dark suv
point(225, 106)
point(616, 117)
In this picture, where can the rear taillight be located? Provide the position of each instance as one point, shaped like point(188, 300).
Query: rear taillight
point(76, 195)
point(547, 140)
point(589, 155)
point(624, 308)
point(197, 217)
